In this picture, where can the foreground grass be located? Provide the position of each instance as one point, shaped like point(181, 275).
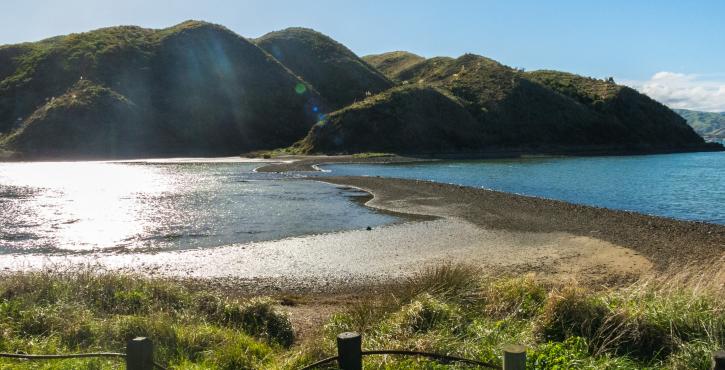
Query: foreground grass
point(673, 323)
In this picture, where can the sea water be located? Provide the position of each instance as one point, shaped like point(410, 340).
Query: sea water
point(74, 207)
point(689, 186)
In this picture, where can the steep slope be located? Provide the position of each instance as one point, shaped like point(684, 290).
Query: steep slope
point(392, 63)
point(338, 74)
point(88, 120)
point(647, 121)
point(403, 119)
point(516, 111)
point(708, 124)
point(195, 88)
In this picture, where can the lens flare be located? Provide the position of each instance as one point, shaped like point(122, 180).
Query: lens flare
point(300, 88)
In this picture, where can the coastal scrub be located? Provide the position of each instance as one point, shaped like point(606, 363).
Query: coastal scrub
point(656, 323)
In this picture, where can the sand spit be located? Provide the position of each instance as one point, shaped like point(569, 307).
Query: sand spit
point(501, 233)
point(663, 241)
point(309, 163)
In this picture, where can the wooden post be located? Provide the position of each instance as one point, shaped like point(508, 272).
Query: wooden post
point(718, 360)
point(139, 354)
point(514, 357)
point(349, 351)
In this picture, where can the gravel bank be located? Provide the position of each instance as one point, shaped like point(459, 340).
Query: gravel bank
point(663, 241)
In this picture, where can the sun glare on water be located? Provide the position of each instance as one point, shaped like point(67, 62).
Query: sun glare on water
point(87, 205)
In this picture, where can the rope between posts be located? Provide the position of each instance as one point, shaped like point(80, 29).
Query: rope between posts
point(435, 356)
point(22, 356)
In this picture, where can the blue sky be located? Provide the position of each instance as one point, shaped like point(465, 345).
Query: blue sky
point(671, 50)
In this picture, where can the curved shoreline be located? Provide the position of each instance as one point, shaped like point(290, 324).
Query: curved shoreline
point(499, 232)
point(311, 163)
point(662, 240)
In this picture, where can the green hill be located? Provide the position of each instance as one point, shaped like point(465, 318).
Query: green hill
point(195, 88)
point(530, 112)
point(338, 74)
point(645, 120)
point(200, 89)
point(708, 124)
point(390, 64)
point(402, 119)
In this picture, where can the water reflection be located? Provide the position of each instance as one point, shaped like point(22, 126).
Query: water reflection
point(122, 206)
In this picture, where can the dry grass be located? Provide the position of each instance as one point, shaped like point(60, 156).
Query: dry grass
point(671, 321)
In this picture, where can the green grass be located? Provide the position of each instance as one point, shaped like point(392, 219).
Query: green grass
point(659, 323)
point(333, 69)
point(394, 62)
point(372, 155)
point(499, 108)
point(243, 98)
point(56, 312)
point(669, 323)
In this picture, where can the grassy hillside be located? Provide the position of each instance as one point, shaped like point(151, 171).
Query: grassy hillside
point(194, 88)
point(199, 89)
point(538, 112)
point(403, 119)
point(673, 323)
point(103, 123)
point(392, 63)
point(338, 74)
point(707, 124)
point(646, 119)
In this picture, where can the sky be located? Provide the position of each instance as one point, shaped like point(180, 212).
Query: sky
point(673, 51)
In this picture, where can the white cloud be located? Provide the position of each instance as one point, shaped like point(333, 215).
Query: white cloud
point(687, 91)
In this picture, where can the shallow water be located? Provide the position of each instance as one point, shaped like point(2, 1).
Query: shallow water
point(688, 186)
point(72, 207)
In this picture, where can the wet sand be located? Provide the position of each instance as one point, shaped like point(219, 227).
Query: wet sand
point(308, 163)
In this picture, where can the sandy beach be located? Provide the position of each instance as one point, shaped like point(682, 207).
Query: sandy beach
point(501, 233)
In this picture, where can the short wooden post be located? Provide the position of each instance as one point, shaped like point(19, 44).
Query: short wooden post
point(718, 360)
point(349, 351)
point(139, 354)
point(514, 357)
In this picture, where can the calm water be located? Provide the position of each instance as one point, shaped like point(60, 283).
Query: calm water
point(685, 186)
point(82, 206)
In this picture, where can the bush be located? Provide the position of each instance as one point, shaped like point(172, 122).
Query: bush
point(521, 297)
point(426, 313)
point(452, 281)
point(257, 317)
point(239, 353)
point(643, 322)
point(571, 312)
point(571, 353)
